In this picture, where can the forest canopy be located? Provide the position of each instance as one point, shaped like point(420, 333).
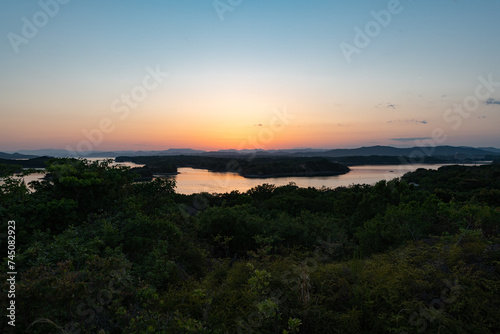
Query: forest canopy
point(97, 252)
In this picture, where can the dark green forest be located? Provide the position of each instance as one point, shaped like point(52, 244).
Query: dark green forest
point(97, 252)
point(9, 166)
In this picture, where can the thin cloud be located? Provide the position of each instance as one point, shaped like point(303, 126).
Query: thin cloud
point(492, 101)
point(410, 139)
point(388, 106)
point(408, 121)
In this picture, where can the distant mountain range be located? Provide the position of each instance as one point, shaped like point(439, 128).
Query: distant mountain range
point(102, 154)
point(437, 151)
point(490, 149)
point(459, 152)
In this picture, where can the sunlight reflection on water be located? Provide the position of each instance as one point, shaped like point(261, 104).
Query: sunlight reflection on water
point(191, 180)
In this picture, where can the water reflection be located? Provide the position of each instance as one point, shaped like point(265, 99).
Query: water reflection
point(191, 180)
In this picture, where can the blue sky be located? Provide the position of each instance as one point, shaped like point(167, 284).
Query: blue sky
point(227, 76)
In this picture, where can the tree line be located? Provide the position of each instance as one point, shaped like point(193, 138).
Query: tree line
point(97, 252)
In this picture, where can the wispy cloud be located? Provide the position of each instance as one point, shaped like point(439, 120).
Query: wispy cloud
point(386, 105)
point(408, 121)
point(492, 101)
point(410, 139)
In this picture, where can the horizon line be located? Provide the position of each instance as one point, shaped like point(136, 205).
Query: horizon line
point(238, 150)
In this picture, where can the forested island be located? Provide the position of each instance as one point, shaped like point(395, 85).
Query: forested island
point(268, 166)
point(247, 166)
point(255, 165)
point(97, 252)
point(10, 166)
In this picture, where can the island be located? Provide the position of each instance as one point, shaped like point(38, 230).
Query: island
point(246, 166)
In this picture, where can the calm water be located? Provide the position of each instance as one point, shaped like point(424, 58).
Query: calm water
point(191, 180)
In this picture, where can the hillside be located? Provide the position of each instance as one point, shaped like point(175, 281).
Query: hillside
point(99, 253)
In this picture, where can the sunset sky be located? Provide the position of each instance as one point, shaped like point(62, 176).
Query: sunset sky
point(248, 74)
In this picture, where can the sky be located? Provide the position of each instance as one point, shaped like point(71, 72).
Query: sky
point(233, 74)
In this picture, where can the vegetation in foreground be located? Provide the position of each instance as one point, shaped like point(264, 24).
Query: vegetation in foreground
point(99, 253)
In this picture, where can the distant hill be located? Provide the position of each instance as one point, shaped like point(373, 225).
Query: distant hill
point(458, 152)
point(106, 154)
point(38, 162)
point(15, 156)
point(47, 152)
point(438, 151)
point(490, 149)
point(390, 160)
